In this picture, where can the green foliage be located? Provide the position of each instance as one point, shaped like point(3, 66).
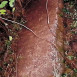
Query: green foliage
point(11, 3)
point(65, 10)
point(2, 11)
point(7, 43)
point(65, 1)
point(75, 70)
point(74, 24)
point(13, 9)
point(70, 57)
point(5, 64)
point(10, 38)
point(3, 4)
point(64, 75)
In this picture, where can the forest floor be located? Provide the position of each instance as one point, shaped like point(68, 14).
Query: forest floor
point(9, 36)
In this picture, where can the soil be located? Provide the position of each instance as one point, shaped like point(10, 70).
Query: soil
point(37, 55)
point(45, 46)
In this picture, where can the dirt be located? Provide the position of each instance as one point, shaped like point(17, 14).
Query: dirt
point(38, 56)
point(39, 40)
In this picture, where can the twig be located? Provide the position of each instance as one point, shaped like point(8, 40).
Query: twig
point(16, 23)
point(30, 31)
point(48, 21)
point(19, 24)
point(47, 11)
point(27, 2)
point(24, 27)
point(33, 33)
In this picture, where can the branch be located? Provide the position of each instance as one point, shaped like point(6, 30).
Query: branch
point(19, 24)
point(30, 31)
